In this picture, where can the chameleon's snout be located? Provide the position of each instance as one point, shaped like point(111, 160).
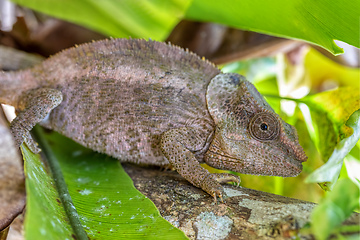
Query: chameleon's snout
point(301, 156)
point(295, 149)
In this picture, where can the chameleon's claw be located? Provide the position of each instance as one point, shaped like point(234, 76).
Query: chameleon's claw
point(218, 193)
point(214, 188)
point(221, 198)
point(211, 184)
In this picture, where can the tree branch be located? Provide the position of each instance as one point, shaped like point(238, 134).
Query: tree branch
point(246, 213)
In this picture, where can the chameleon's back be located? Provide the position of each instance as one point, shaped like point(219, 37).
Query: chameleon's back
point(120, 95)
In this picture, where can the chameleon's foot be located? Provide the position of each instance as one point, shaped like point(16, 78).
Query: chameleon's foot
point(32, 145)
point(211, 184)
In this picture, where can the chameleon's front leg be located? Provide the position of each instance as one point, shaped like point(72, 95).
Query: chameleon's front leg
point(35, 105)
point(178, 146)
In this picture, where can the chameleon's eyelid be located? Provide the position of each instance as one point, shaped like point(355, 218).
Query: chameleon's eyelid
point(269, 119)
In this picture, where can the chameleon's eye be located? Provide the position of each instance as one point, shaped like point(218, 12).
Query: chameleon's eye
point(264, 126)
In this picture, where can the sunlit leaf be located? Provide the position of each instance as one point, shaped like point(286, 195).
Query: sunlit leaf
point(107, 204)
point(329, 172)
point(332, 109)
point(291, 77)
point(353, 167)
point(336, 207)
point(142, 19)
point(319, 22)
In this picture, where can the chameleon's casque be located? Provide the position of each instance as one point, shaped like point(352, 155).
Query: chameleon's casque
point(152, 103)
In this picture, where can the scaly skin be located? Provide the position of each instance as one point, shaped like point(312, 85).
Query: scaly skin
point(153, 103)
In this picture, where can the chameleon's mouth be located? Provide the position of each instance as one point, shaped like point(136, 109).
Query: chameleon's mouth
point(285, 167)
point(293, 159)
point(295, 168)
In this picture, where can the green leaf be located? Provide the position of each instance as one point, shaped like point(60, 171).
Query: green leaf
point(140, 19)
point(45, 217)
point(318, 22)
point(107, 204)
point(330, 110)
point(329, 172)
point(335, 208)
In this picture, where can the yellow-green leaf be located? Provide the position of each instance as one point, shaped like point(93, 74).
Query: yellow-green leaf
point(333, 108)
point(324, 72)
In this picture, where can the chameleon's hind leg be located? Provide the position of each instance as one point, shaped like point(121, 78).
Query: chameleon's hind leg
point(34, 106)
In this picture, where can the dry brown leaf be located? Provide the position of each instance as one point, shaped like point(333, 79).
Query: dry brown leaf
point(12, 181)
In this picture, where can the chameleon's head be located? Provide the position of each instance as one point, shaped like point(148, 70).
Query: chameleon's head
point(249, 137)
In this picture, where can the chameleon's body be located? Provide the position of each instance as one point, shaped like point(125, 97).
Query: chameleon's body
point(153, 103)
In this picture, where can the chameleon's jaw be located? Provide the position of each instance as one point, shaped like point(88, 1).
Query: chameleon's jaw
point(295, 167)
point(290, 156)
point(256, 158)
point(296, 164)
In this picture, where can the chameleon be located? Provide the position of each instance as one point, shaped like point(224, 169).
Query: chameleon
point(153, 103)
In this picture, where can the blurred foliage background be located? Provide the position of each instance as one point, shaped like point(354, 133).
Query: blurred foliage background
point(309, 87)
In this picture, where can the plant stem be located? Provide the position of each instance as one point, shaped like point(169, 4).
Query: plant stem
point(61, 186)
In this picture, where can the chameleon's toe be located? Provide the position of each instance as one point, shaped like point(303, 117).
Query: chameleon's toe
point(211, 185)
point(227, 177)
point(31, 143)
point(219, 194)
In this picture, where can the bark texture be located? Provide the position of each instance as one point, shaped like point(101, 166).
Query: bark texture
point(245, 214)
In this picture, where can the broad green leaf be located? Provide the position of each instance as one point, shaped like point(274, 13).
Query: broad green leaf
point(140, 19)
point(318, 22)
point(328, 174)
point(336, 207)
point(45, 216)
point(108, 205)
